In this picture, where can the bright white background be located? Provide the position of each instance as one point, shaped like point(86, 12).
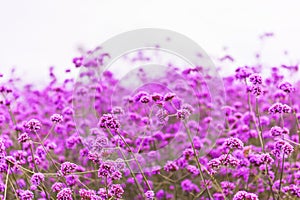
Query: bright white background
point(36, 34)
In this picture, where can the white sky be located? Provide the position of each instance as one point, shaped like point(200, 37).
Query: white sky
point(36, 34)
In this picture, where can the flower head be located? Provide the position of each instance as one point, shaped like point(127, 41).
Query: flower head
point(67, 168)
point(23, 138)
point(234, 143)
point(37, 178)
point(243, 195)
point(33, 125)
point(110, 122)
point(57, 118)
point(150, 194)
point(286, 87)
point(255, 79)
point(65, 194)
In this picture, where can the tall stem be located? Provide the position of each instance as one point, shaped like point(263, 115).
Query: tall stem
point(260, 130)
point(6, 182)
point(281, 174)
point(197, 159)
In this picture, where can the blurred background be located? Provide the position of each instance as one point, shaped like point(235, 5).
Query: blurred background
point(36, 34)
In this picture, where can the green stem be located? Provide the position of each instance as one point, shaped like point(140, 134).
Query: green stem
point(6, 182)
point(197, 160)
point(281, 175)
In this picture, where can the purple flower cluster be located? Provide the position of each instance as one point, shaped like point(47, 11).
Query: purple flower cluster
point(243, 195)
point(162, 141)
point(279, 108)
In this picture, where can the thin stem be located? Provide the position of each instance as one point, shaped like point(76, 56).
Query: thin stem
point(47, 153)
point(259, 125)
point(138, 164)
point(197, 159)
point(12, 186)
point(131, 172)
point(50, 131)
point(281, 175)
point(127, 164)
point(33, 158)
point(260, 130)
point(6, 182)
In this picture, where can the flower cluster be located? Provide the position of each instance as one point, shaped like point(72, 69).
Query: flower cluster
point(171, 140)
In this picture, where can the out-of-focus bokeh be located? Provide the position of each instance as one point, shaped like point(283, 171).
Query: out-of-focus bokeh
point(37, 34)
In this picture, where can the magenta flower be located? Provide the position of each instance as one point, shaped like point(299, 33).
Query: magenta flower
point(57, 118)
point(33, 125)
point(65, 194)
point(150, 194)
point(67, 168)
point(37, 179)
point(243, 195)
point(234, 143)
point(286, 87)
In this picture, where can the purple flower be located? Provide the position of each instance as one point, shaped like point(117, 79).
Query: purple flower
point(65, 194)
point(286, 108)
point(86, 194)
point(145, 99)
point(228, 159)
point(57, 118)
point(193, 169)
point(33, 125)
point(67, 168)
point(109, 170)
point(243, 195)
point(109, 121)
point(149, 194)
point(139, 95)
point(233, 143)
point(255, 79)
point(188, 186)
point(157, 97)
point(58, 186)
point(281, 147)
point(286, 87)
point(227, 187)
point(25, 195)
point(169, 96)
point(171, 166)
point(278, 131)
point(37, 178)
point(256, 90)
point(116, 190)
point(23, 138)
point(183, 114)
point(242, 73)
point(2, 148)
point(276, 108)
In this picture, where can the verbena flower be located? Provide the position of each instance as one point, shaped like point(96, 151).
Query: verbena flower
point(282, 148)
point(33, 125)
point(233, 143)
point(37, 179)
point(25, 194)
point(57, 118)
point(65, 194)
point(110, 122)
point(150, 194)
point(243, 195)
point(116, 190)
point(171, 166)
point(286, 87)
point(23, 138)
point(67, 168)
point(255, 79)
